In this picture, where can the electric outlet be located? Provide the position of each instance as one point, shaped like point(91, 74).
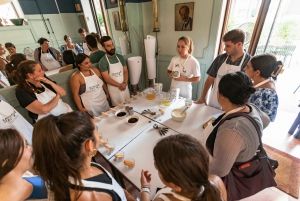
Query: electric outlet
point(159, 49)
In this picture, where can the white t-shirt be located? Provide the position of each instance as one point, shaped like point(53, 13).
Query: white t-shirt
point(11, 118)
point(189, 68)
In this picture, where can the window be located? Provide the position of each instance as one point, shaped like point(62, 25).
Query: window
point(7, 11)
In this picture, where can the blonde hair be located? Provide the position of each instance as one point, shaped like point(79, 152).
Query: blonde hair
point(189, 42)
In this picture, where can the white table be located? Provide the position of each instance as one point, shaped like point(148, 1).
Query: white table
point(141, 149)
point(119, 132)
point(196, 116)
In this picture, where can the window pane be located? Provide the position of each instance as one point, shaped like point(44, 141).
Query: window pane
point(243, 14)
point(100, 17)
point(7, 12)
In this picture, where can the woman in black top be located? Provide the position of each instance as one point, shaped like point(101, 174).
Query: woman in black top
point(36, 93)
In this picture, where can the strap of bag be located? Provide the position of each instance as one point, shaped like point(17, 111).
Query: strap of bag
point(255, 124)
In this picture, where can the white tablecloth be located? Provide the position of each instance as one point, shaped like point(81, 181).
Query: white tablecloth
point(139, 145)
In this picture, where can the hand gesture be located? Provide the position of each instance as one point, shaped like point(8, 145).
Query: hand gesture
point(145, 179)
point(43, 79)
point(201, 101)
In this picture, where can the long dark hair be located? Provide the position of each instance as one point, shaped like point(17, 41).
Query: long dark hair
point(80, 58)
point(237, 87)
point(182, 160)
point(15, 60)
point(57, 143)
point(11, 150)
point(19, 76)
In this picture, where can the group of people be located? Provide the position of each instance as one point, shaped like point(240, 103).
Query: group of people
point(261, 69)
point(186, 170)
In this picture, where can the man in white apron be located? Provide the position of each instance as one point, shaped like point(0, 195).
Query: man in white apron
point(82, 34)
point(235, 59)
point(114, 71)
point(11, 118)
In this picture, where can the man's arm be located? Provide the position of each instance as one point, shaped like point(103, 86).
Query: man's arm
point(108, 80)
point(125, 75)
point(208, 83)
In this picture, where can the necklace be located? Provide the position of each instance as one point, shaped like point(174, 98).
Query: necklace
point(263, 82)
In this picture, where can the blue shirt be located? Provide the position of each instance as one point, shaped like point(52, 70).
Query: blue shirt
point(266, 100)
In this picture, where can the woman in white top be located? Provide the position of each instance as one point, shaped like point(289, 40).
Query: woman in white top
point(182, 164)
point(187, 66)
point(48, 56)
point(90, 93)
point(71, 46)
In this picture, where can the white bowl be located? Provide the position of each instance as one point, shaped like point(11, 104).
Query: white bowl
point(120, 111)
point(177, 116)
point(132, 120)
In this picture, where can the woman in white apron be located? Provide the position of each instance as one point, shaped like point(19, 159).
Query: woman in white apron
point(223, 70)
point(46, 55)
point(183, 169)
point(11, 118)
point(59, 133)
point(187, 66)
point(263, 70)
point(89, 91)
point(36, 93)
point(116, 73)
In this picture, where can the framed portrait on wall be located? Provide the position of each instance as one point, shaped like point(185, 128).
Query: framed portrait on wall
point(116, 18)
point(184, 13)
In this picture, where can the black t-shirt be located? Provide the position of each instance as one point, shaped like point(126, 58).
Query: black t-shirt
point(219, 60)
point(25, 97)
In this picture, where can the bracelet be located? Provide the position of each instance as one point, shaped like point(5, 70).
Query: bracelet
point(146, 190)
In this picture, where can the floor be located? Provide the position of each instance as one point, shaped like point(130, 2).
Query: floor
point(276, 134)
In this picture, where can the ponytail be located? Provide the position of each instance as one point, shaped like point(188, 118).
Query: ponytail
point(57, 145)
point(210, 192)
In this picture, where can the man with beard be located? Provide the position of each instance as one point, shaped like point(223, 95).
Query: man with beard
point(114, 71)
point(235, 59)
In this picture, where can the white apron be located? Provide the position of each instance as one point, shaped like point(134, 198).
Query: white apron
point(4, 81)
point(46, 97)
point(49, 61)
point(11, 118)
point(98, 184)
point(209, 128)
point(185, 87)
point(116, 74)
point(85, 48)
point(94, 97)
point(223, 70)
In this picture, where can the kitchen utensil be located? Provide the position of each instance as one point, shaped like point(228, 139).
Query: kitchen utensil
point(161, 113)
point(184, 110)
point(162, 130)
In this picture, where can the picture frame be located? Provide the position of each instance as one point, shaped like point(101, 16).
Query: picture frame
point(184, 15)
point(116, 18)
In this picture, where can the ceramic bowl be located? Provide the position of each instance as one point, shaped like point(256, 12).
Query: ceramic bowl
point(132, 120)
point(120, 114)
point(177, 116)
